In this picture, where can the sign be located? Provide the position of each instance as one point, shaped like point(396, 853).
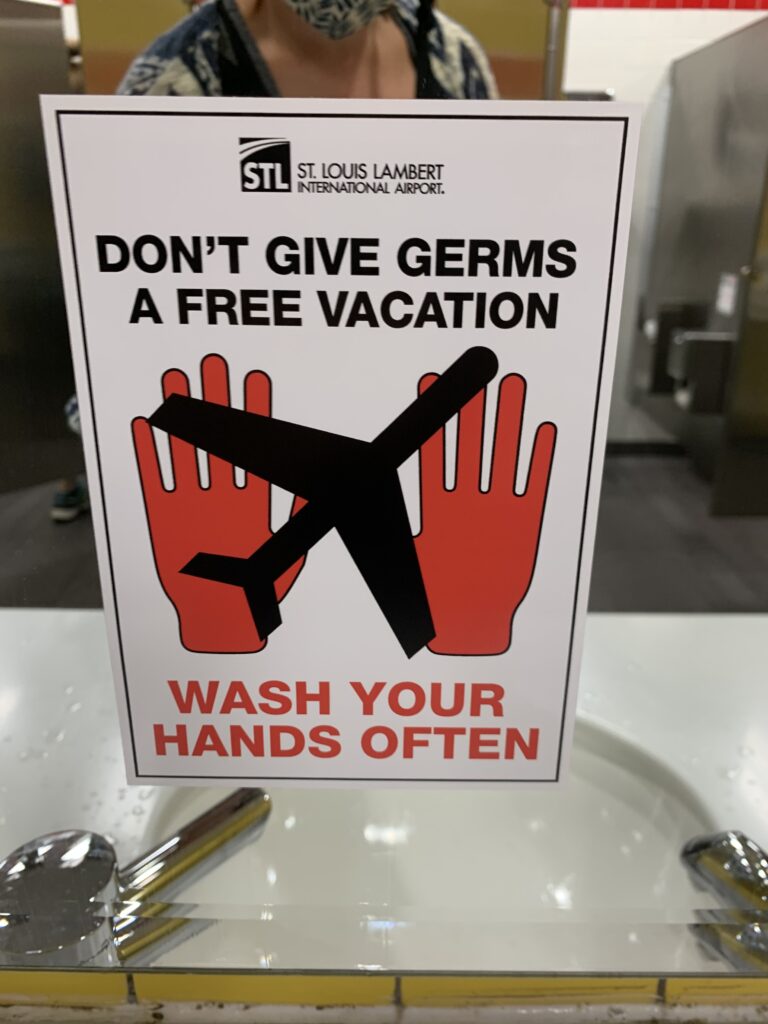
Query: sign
point(344, 371)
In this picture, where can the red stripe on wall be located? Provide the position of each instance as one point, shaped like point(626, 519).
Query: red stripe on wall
point(700, 5)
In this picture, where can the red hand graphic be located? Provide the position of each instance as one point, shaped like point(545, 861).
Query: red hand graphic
point(225, 518)
point(477, 550)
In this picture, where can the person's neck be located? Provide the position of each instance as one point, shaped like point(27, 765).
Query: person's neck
point(275, 20)
point(371, 63)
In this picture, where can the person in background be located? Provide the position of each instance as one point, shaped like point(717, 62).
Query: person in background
point(70, 499)
point(393, 49)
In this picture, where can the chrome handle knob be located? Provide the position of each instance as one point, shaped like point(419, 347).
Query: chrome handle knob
point(64, 901)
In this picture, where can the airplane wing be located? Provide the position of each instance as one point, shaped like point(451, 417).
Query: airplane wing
point(297, 458)
point(463, 379)
point(258, 573)
point(373, 524)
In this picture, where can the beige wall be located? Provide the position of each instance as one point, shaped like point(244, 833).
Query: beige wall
point(513, 34)
point(112, 32)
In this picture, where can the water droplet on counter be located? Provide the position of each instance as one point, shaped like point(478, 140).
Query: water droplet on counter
point(137, 811)
point(560, 894)
point(75, 706)
point(746, 751)
point(637, 835)
point(69, 691)
point(731, 773)
point(145, 794)
point(625, 850)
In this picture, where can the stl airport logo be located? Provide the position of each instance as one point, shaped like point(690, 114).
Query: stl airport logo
point(265, 165)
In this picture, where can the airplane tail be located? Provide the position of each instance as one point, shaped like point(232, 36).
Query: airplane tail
point(259, 588)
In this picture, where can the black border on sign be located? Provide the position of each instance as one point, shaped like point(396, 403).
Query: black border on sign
point(609, 290)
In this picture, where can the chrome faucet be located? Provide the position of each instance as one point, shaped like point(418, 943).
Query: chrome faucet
point(65, 902)
point(734, 869)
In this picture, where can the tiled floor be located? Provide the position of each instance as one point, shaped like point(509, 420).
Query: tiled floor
point(658, 549)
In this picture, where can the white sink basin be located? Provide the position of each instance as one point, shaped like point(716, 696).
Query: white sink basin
point(584, 878)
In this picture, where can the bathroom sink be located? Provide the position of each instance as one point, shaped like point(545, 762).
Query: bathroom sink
point(585, 878)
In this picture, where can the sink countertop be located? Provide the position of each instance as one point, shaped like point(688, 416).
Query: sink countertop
point(676, 703)
point(688, 689)
point(692, 691)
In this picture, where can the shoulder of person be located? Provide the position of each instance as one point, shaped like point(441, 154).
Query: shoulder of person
point(181, 62)
point(458, 61)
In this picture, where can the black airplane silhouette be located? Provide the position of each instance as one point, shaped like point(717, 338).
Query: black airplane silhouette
point(350, 485)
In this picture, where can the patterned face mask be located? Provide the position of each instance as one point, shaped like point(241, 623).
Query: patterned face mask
point(338, 18)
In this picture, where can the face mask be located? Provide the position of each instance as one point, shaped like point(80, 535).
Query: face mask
point(338, 18)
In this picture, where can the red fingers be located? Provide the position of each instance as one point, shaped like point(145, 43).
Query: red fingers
point(431, 455)
point(146, 457)
point(509, 416)
point(183, 456)
point(214, 376)
point(469, 445)
point(258, 393)
point(258, 399)
point(541, 464)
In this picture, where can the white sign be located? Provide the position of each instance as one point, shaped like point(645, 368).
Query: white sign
point(404, 314)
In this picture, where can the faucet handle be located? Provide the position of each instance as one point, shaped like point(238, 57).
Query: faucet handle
point(55, 901)
point(65, 902)
point(731, 866)
point(734, 869)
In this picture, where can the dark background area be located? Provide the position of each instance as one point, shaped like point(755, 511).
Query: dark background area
point(658, 549)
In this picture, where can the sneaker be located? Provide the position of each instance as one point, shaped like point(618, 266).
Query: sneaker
point(69, 504)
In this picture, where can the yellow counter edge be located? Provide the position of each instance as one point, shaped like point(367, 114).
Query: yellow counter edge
point(102, 988)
